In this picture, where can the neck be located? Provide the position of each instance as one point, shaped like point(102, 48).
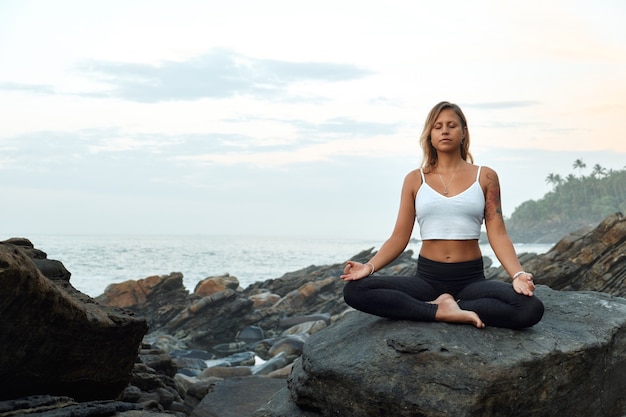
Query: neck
point(448, 163)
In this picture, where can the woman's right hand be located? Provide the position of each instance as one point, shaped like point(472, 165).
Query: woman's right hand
point(355, 270)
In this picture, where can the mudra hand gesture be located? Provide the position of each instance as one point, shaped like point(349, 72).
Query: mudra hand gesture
point(523, 283)
point(356, 270)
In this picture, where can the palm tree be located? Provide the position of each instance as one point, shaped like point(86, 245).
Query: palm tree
point(599, 171)
point(558, 180)
point(579, 164)
point(554, 179)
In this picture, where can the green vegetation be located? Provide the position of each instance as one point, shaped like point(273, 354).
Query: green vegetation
point(575, 201)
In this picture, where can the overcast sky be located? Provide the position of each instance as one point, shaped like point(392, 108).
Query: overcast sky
point(289, 117)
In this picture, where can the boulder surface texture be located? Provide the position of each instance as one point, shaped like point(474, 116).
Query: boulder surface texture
point(56, 340)
point(573, 363)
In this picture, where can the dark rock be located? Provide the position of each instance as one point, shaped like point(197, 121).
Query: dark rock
point(586, 260)
point(33, 403)
point(231, 347)
point(59, 341)
point(192, 353)
point(149, 380)
point(251, 334)
point(52, 406)
point(226, 372)
point(52, 269)
point(238, 397)
point(194, 365)
point(157, 361)
point(198, 391)
point(594, 261)
point(281, 405)
point(27, 247)
point(131, 394)
point(572, 363)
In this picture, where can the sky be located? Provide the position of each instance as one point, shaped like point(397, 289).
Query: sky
point(289, 118)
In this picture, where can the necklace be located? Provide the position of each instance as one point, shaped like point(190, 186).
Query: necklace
point(445, 186)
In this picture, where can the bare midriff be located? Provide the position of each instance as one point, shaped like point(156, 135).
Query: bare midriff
point(450, 250)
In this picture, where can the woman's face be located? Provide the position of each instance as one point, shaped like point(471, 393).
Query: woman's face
point(447, 131)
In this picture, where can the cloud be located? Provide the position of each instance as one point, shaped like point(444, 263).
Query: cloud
point(349, 127)
point(30, 88)
point(221, 73)
point(502, 105)
point(302, 153)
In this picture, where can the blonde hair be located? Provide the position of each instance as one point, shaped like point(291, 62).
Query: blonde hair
point(430, 153)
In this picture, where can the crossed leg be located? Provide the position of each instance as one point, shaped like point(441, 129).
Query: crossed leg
point(448, 310)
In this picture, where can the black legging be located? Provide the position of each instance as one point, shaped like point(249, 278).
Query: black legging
point(406, 298)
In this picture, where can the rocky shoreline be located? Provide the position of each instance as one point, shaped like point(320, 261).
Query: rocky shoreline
point(150, 347)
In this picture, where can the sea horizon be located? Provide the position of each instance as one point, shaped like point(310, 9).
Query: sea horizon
point(98, 260)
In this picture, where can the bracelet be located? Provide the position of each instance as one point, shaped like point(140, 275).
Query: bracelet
point(517, 274)
point(372, 265)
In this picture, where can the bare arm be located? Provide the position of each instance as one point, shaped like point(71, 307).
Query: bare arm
point(498, 236)
point(399, 238)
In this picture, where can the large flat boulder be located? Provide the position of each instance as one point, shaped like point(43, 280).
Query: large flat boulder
point(573, 363)
point(55, 340)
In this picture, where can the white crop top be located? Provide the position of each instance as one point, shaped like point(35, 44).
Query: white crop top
point(450, 218)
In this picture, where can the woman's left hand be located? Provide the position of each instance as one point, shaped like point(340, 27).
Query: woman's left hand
point(355, 270)
point(523, 284)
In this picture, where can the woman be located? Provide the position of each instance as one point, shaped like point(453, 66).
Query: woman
point(450, 197)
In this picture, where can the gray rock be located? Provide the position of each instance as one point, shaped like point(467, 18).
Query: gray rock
point(593, 260)
point(281, 405)
point(589, 259)
point(51, 406)
point(277, 362)
point(573, 363)
point(238, 397)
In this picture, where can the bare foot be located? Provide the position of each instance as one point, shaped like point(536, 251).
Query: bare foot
point(442, 298)
point(448, 310)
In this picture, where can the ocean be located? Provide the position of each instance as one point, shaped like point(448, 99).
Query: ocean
point(97, 261)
